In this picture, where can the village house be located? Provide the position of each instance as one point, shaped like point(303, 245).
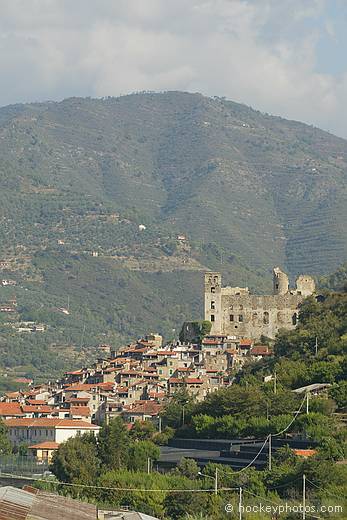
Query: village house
point(44, 435)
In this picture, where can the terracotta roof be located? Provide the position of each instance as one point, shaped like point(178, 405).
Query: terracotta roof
point(80, 410)
point(212, 342)
point(146, 407)
point(77, 400)
point(23, 380)
point(10, 409)
point(165, 353)
point(122, 389)
point(82, 387)
point(74, 372)
point(50, 423)
point(260, 350)
point(246, 342)
point(12, 395)
point(37, 408)
point(44, 446)
point(305, 453)
point(193, 381)
point(36, 401)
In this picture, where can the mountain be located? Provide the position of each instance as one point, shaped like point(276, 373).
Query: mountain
point(119, 204)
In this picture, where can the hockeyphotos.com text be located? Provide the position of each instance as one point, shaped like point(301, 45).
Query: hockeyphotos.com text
point(281, 509)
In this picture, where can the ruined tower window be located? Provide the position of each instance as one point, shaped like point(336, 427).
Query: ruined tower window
point(231, 317)
point(213, 289)
point(266, 318)
point(294, 319)
point(240, 317)
point(212, 317)
point(213, 305)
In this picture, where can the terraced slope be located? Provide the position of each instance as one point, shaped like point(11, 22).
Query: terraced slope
point(243, 191)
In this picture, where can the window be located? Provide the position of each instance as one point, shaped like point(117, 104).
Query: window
point(213, 289)
point(213, 305)
point(212, 317)
point(241, 318)
point(231, 317)
point(266, 318)
point(294, 319)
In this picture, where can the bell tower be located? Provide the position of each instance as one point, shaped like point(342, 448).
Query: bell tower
point(213, 301)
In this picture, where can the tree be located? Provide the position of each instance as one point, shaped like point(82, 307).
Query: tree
point(178, 505)
point(142, 430)
point(188, 468)
point(140, 452)
point(76, 460)
point(5, 444)
point(172, 414)
point(339, 393)
point(113, 444)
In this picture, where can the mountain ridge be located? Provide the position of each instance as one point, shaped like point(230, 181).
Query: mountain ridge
point(216, 184)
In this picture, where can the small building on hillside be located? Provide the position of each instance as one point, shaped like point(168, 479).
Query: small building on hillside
point(34, 431)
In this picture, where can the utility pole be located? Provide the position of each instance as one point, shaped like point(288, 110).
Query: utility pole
point(240, 503)
point(316, 346)
point(307, 400)
point(216, 482)
point(275, 383)
point(148, 465)
point(270, 453)
point(304, 496)
point(159, 424)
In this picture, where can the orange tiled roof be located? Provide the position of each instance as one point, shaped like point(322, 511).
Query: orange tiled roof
point(37, 408)
point(36, 401)
point(305, 453)
point(80, 410)
point(45, 446)
point(10, 409)
point(49, 423)
point(246, 342)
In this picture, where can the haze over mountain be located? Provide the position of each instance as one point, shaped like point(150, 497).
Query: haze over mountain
point(217, 184)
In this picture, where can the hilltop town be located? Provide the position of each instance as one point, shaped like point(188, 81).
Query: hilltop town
point(136, 381)
point(133, 382)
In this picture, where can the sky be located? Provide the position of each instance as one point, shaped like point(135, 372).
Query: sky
point(284, 57)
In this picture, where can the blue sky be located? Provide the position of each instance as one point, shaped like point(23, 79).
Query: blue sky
point(285, 57)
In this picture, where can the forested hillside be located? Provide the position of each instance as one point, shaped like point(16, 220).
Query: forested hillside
point(114, 208)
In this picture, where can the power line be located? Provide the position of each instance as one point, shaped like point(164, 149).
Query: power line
point(89, 486)
point(324, 491)
point(291, 422)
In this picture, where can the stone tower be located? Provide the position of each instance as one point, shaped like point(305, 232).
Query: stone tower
point(280, 281)
point(213, 300)
point(305, 285)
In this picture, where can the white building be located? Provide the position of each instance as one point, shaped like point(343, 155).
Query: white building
point(30, 431)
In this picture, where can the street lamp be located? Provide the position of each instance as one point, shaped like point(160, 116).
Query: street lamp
point(215, 478)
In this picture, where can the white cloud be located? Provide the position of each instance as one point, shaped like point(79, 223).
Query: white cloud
point(260, 52)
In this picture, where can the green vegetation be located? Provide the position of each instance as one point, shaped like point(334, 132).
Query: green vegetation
point(315, 352)
point(82, 175)
point(113, 480)
point(249, 408)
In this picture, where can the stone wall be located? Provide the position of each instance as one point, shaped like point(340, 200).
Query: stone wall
point(235, 312)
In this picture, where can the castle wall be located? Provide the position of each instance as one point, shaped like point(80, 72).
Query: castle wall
point(251, 316)
point(235, 312)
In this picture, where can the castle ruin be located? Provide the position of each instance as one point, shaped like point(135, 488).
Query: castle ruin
point(235, 312)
